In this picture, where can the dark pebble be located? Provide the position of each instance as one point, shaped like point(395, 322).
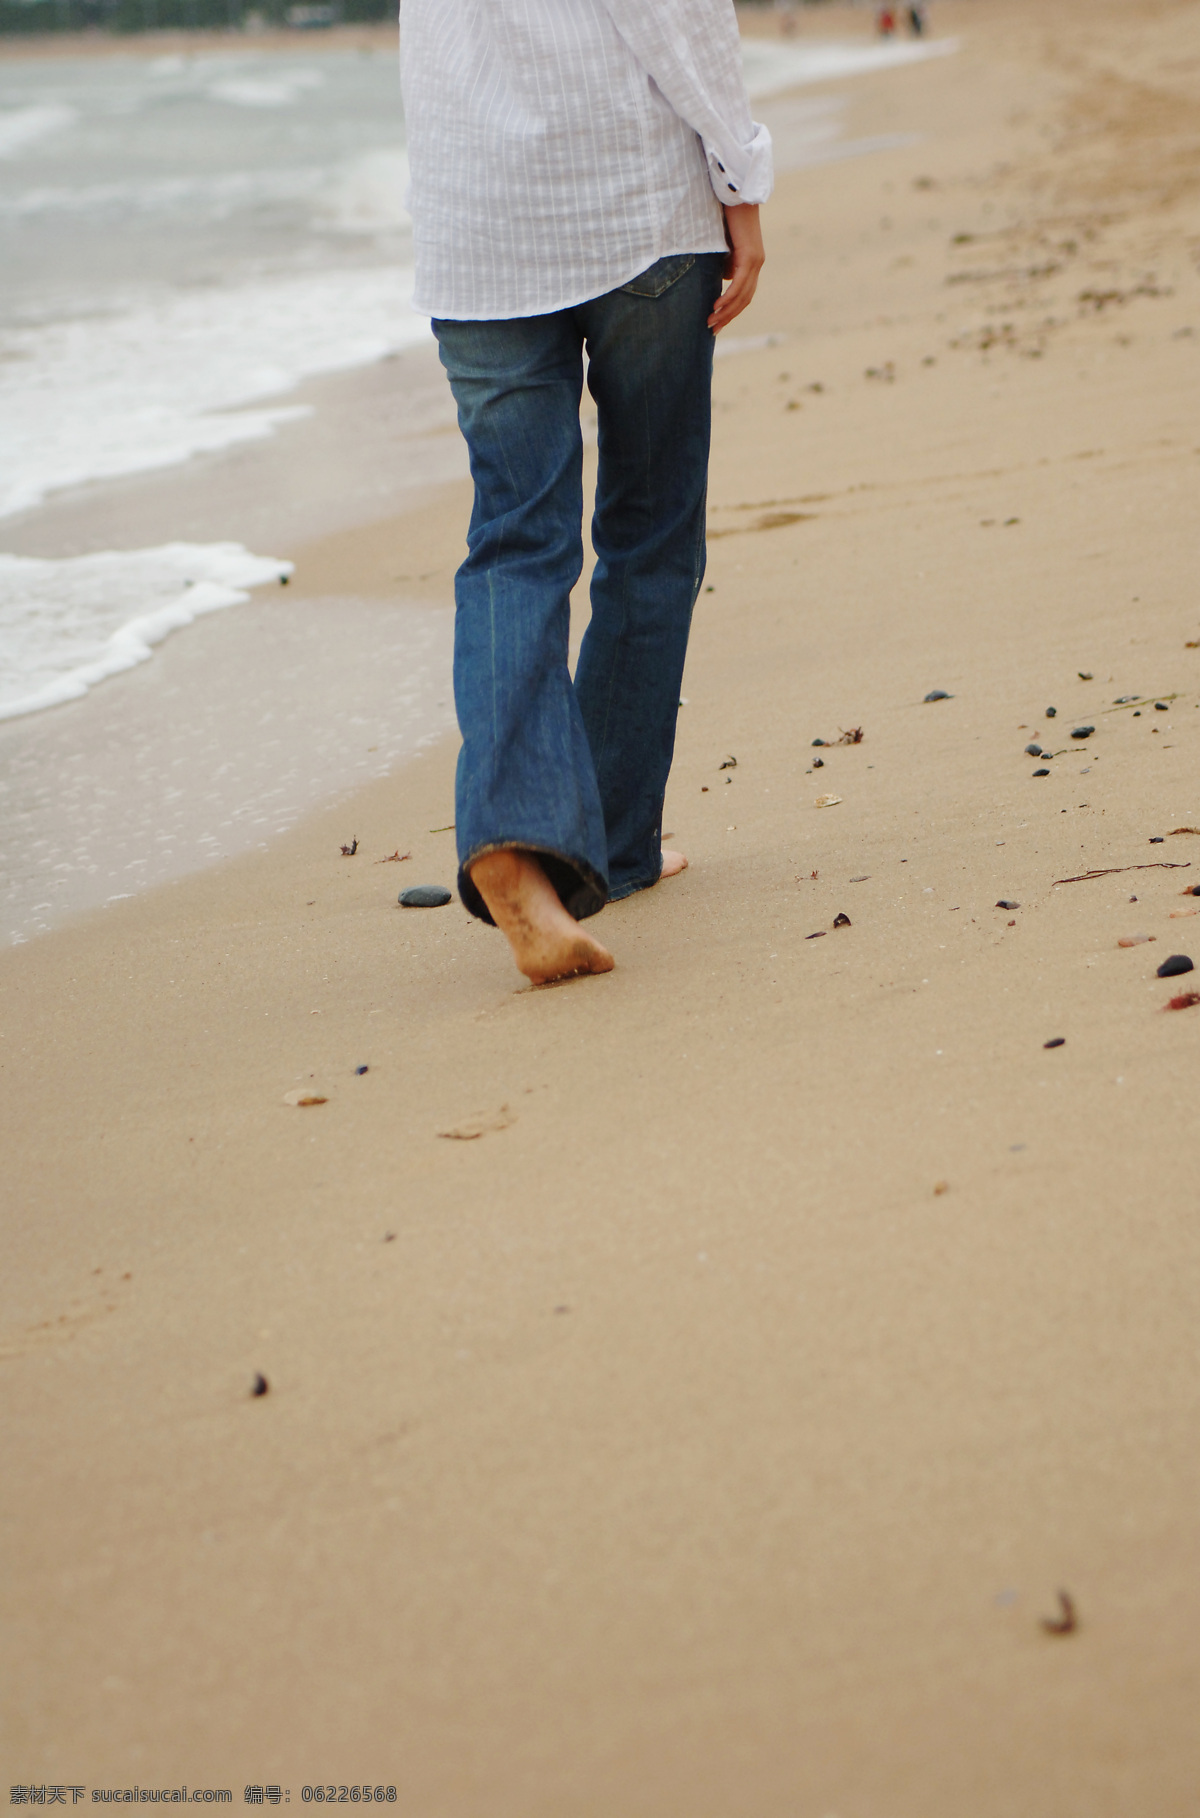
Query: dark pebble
point(818, 936)
point(424, 896)
point(818, 741)
point(841, 921)
point(1083, 732)
point(1157, 840)
point(1033, 751)
point(1161, 707)
point(361, 1070)
point(1004, 903)
point(1041, 773)
point(1051, 712)
point(1124, 700)
point(261, 1385)
point(1137, 713)
point(938, 694)
point(1173, 967)
point(818, 763)
point(1194, 891)
point(1059, 1041)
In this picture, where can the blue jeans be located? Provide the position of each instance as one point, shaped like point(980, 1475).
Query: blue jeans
point(575, 772)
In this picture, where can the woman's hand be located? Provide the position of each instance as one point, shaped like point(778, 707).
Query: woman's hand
point(743, 231)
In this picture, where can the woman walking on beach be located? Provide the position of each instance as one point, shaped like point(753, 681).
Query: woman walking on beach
point(584, 175)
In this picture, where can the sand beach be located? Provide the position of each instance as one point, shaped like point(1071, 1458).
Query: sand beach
point(688, 1390)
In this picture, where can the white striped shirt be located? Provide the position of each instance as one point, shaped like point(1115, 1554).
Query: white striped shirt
point(559, 147)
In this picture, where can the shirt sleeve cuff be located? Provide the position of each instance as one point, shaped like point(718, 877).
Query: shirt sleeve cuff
point(743, 173)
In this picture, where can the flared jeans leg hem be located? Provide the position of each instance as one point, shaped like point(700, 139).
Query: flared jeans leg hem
point(581, 889)
point(633, 885)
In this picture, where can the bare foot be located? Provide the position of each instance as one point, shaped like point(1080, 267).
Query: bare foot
point(547, 942)
point(673, 863)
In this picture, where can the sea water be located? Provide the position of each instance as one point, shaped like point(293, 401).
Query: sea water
point(184, 238)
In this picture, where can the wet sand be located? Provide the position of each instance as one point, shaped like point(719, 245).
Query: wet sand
point(689, 1389)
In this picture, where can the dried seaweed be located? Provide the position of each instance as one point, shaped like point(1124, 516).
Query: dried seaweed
point(1067, 1620)
point(1085, 877)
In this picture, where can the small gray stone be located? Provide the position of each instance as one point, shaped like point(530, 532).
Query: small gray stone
point(1051, 712)
point(1058, 1041)
point(1005, 903)
point(1041, 773)
point(1173, 967)
point(1083, 732)
point(424, 896)
point(938, 694)
point(1033, 751)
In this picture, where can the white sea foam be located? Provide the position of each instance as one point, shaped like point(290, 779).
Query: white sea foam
point(68, 624)
point(205, 196)
point(22, 127)
point(281, 90)
point(772, 67)
point(366, 195)
point(152, 386)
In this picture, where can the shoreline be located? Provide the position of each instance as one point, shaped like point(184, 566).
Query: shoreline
point(689, 1389)
point(160, 768)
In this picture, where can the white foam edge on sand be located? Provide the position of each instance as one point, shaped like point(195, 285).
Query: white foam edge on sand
point(208, 434)
point(771, 67)
point(149, 387)
point(229, 570)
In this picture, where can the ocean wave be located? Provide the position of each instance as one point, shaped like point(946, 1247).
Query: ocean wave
point(771, 67)
point(21, 127)
point(66, 625)
point(150, 386)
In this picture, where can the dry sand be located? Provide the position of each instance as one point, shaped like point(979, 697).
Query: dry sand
point(669, 1441)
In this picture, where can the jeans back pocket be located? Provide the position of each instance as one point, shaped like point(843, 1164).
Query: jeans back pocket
point(660, 276)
